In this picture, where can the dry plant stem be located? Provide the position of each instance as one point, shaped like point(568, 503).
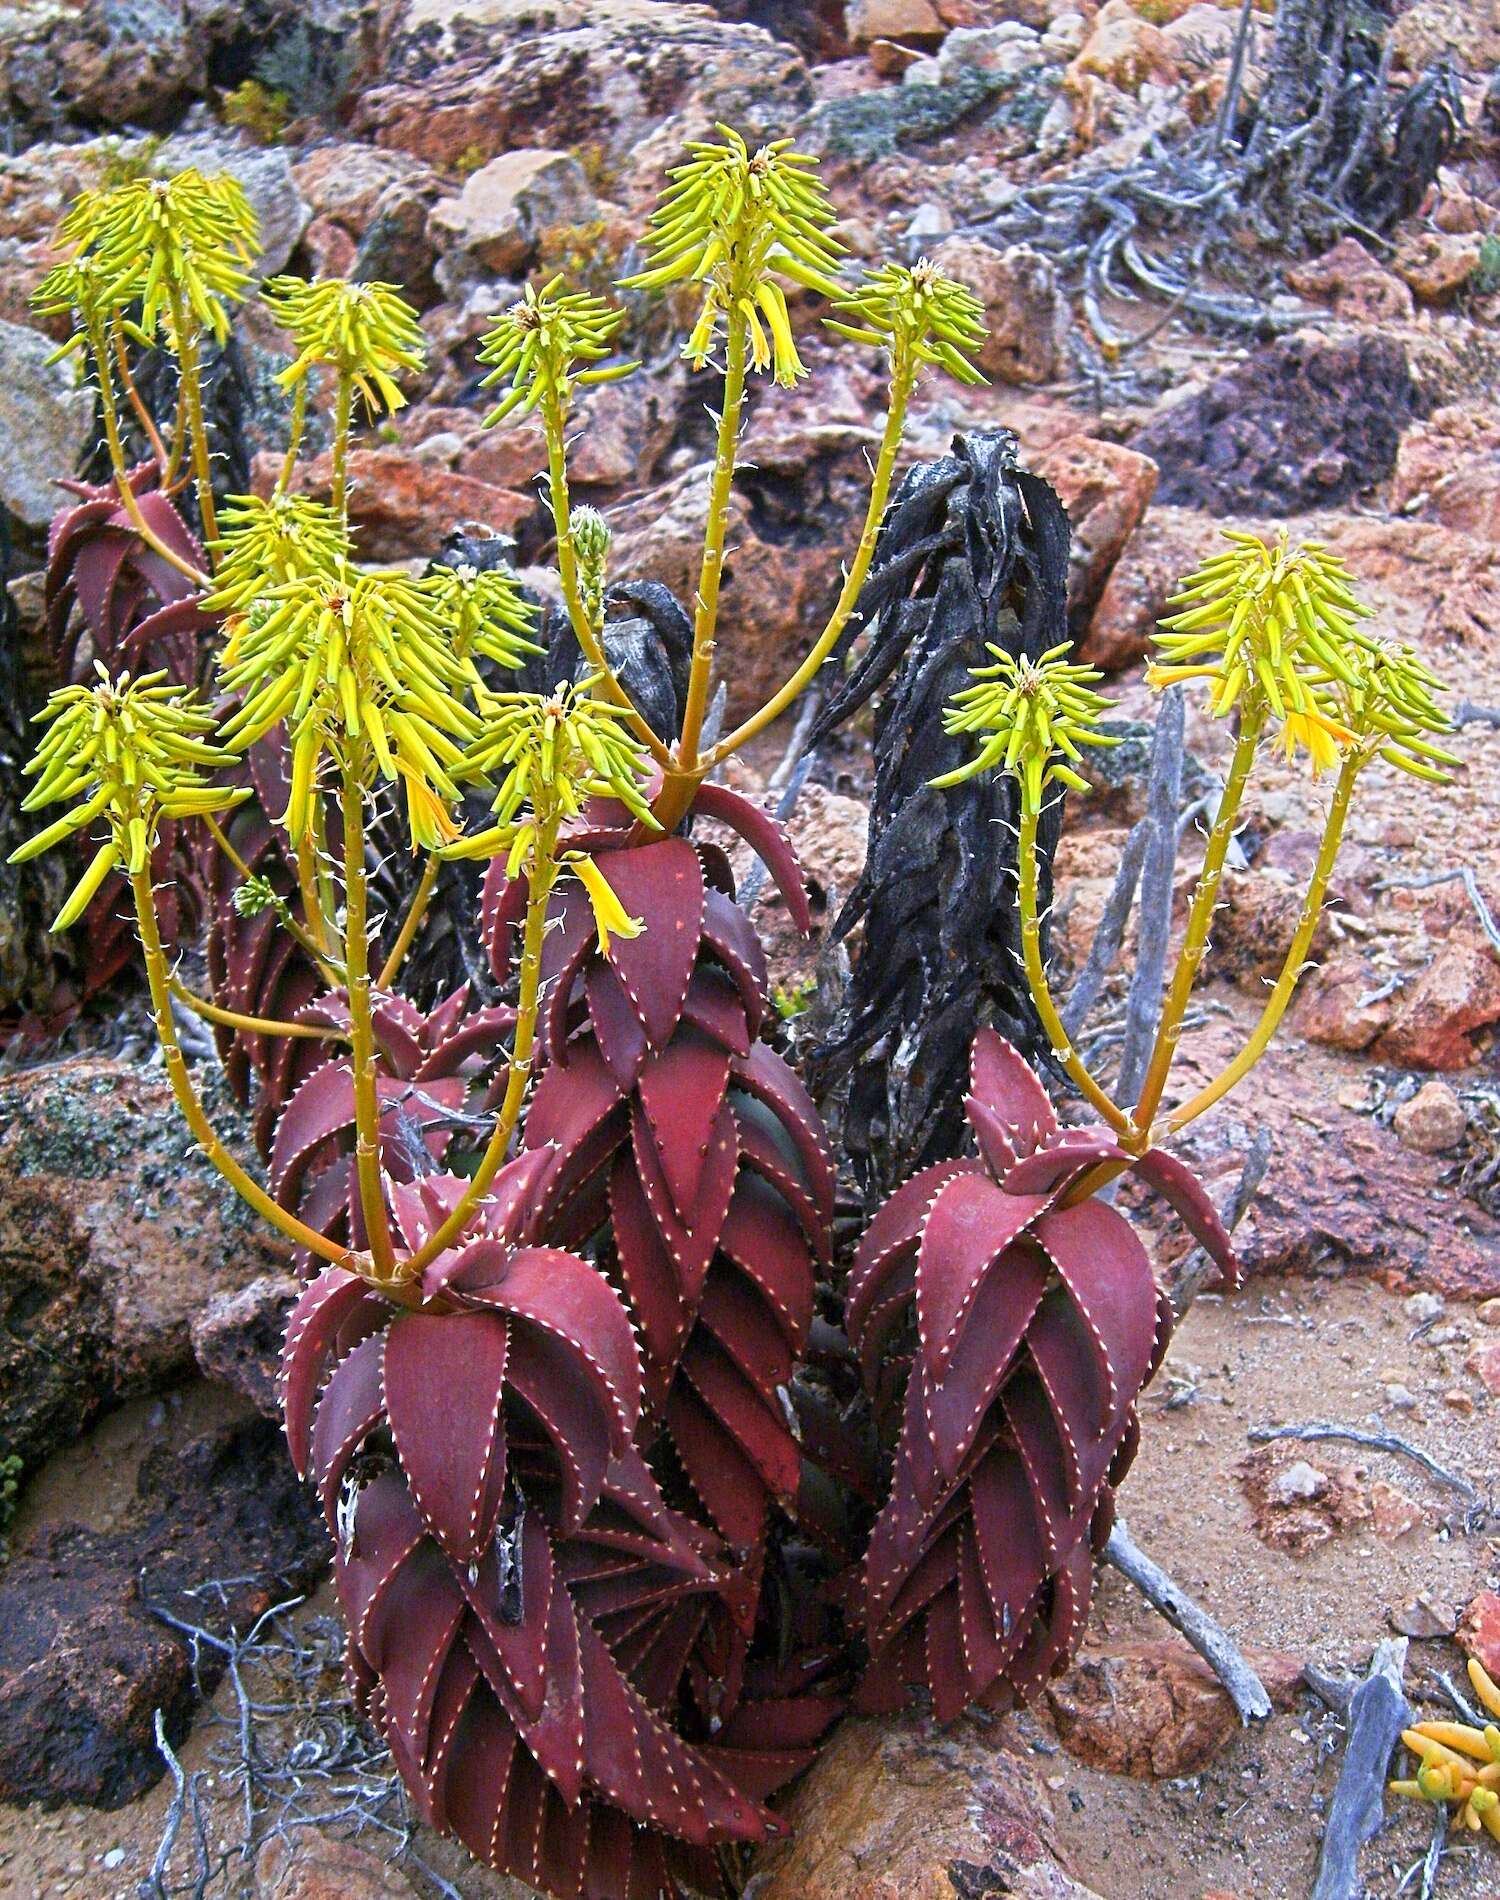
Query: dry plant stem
point(294, 437)
point(902, 383)
point(1296, 957)
point(362, 1032)
point(248, 1189)
point(1215, 1645)
point(1041, 993)
point(251, 1025)
point(343, 417)
point(554, 424)
point(411, 923)
point(133, 396)
point(116, 448)
point(541, 877)
point(190, 395)
point(1200, 918)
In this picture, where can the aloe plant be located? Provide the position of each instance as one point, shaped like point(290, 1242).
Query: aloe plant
point(552, 1374)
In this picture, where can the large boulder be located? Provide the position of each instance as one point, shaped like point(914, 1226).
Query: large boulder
point(472, 79)
point(46, 423)
point(1301, 424)
point(113, 1234)
point(908, 1811)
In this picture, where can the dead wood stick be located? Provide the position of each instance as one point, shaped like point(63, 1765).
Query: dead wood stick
point(1378, 1711)
point(1213, 1643)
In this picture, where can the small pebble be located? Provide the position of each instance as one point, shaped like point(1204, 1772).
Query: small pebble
point(1422, 1307)
point(1460, 1402)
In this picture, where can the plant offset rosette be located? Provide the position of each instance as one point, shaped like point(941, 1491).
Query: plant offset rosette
point(687, 1143)
point(1037, 1324)
point(521, 1602)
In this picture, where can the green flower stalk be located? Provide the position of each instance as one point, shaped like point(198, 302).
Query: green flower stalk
point(265, 543)
point(1035, 716)
point(918, 316)
point(360, 665)
point(738, 222)
point(1390, 708)
point(485, 612)
point(547, 344)
point(550, 755)
point(125, 753)
point(923, 321)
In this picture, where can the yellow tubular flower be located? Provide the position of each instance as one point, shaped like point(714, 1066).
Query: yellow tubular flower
point(1034, 716)
point(125, 753)
point(266, 542)
point(744, 224)
point(1458, 1764)
point(548, 343)
point(1277, 624)
point(485, 612)
point(178, 246)
point(367, 332)
point(550, 755)
point(349, 655)
point(918, 316)
point(1390, 706)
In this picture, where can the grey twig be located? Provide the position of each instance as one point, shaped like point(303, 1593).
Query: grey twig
point(1213, 1643)
point(184, 1802)
point(1163, 795)
point(1378, 1711)
point(1107, 938)
point(1319, 1429)
point(1433, 1858)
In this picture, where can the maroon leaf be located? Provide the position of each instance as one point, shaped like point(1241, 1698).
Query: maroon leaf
point(324, 1307)
point(663, 884)
point(968, 1225)
point(1002, 1079)
point(766, 839)
point(444, 1383)
point(1181, 1189)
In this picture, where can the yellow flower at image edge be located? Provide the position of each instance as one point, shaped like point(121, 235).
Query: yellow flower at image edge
point(131, 753)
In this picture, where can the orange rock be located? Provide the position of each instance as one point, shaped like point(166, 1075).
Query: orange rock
point(1155, 1709)
point(904, 1810)
point(1356, 287)
point(1436, 264)
point(1106, 490)
point(401, 506)
point(1479, 1631)
point(1125, 50)
point(1436, 1017)
point(869, 20)
point(316, 1867)
point(1484, 1363)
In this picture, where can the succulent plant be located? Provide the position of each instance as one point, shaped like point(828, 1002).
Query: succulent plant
point(1037, 1323)
point(1459, 1763)
point(565, 1374)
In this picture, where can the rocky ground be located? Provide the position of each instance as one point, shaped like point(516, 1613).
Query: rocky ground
point(458, 146)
